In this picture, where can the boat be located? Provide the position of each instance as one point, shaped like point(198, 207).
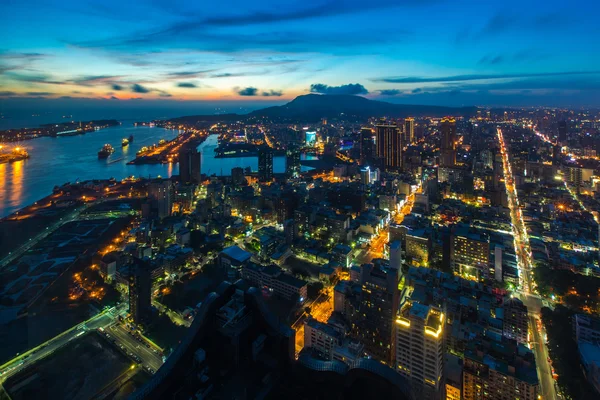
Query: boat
point(130, 138)
point(106, 151)
point(161, 142)
point(125, 142)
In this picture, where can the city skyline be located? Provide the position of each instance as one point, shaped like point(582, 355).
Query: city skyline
point(436, 52)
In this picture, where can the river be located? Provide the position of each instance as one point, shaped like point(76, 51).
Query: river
point(55, 161)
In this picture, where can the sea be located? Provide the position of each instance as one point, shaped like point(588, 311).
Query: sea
point(55, 161)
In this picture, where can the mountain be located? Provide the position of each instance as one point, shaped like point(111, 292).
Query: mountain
point(312, 107)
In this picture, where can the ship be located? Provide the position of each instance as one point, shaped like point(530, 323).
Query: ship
point(106, 151)
point(130, 138)
point(125, 142)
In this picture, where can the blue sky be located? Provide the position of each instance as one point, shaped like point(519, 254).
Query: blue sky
point(513, 53)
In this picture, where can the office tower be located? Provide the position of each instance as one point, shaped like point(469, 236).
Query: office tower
point(161, 197)
point(292, 162)
point(237, 175)
point(470, 252)
point(515, 320)
point(389, 145)
point(409, 131)
point(366, 146)
point(365, 176)
point(373, 323)
point(499, 370)
point(140, 288)
point(420, 348)
point(265, 164)
point(448, 144)
point(189, 165)
point(562, 131)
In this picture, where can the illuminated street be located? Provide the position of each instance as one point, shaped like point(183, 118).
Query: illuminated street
point(527, 295)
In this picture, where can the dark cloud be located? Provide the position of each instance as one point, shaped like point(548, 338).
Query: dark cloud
point(189, 74)
point(351, 88)
point(34, 78)
point(275, 93)
point(114, 98)
point(476, 77)
point(390, 92)
point(249, 91)
point(188, 85)
point(94, 80)
point(164, 94)
point(136, 88)
point(7, 93)
point(39, 93)
point(417, 90)
point(115, 86)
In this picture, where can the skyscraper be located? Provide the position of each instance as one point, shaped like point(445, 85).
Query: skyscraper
point(409, 131)
point(161, 197)
point(562, 131)
point(389, 145)
point(373, 324)
point(265, 164)
point(448, 145)
point(189, 165)
point(420, 348)
point(292, 162)
point(366, 146)
point(140, 288)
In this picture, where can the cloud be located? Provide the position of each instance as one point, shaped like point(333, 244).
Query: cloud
point(189, 74)
point(477, 77)
point(94, 80)
point(249, 91)
point(417, 90)
point(115, 86)
point(351, 88)
point(39, 93)
point(136, 88)
point(7, 93)
point(390, 92)
point(114, 98)
point(275, 93)
point(188, 85)
point(34, 78)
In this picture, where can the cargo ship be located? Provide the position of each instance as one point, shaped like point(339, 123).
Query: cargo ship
point(106, 151)
point(12, 155)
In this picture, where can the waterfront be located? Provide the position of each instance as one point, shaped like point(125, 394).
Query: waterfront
point(55, 161)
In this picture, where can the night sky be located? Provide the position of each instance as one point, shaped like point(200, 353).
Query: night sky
point(542, 52)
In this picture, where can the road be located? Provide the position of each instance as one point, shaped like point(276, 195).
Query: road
point(37, 353)
point(148, 355)
point(42, 235)
point(526, 284)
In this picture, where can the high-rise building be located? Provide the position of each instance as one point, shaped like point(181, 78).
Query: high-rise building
point(161, 197)
point(470, 252)
point(420, 348)
point(237, 175)
point(389, 145)
point(292, 162)
point(140, 289)
point(189, 165)
point(373, 323)
point(498, 371)
point(409, 131)
point(366, 146)
point(515, 320)
point(365, 176)
point(562, 131)
point(448, 144)
point(265, 164)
